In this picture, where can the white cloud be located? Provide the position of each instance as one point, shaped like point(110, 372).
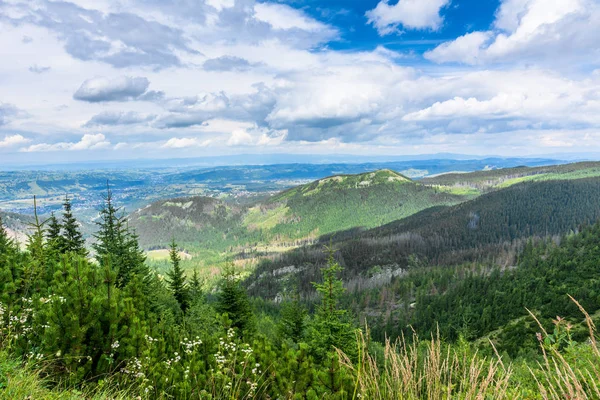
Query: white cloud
point(101, 89)
point(182, 143)
point(87, 142)
point(256, 136)
point(465, 48)
point(284, 88)
point(13, 140)
point(240, 137)
point(539, 31)
point(410, 14)
point(283, 17)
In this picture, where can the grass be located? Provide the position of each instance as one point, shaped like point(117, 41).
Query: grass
point(22, 381)
point(584, 173)
point(432, 370)
point(407, 370)
point(164, 254)
point(459, 190)
point(427, 370)
point(265, 219)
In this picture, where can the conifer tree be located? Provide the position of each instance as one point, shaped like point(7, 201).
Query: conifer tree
point(116, 245)
point(7, 271)
point(35, 241)
point(176, 278)
point(233, 301)
point(332, 327)
point(195, 285)
point(293, 318)
point(53, 236)
point(72, 237)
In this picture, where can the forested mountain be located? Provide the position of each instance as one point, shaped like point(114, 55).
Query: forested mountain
point(209, 227)
point(490, 229)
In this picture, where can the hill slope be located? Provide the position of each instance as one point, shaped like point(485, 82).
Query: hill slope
point(500, 178)
point(293, 217)
point(490, 228)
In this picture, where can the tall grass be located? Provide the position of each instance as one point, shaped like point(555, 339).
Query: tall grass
point(20, 381)
point(426, 370)
point(562, 376)
point(431, 370)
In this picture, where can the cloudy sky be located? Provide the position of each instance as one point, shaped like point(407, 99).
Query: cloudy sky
point(115, 79)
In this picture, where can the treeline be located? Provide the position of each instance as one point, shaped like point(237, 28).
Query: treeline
point(481, 303)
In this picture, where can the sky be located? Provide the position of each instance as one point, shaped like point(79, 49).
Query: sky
point(84, 80)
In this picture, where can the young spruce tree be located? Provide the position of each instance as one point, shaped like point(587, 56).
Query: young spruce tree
point(176, 278)
point(116, 246)
point(73, 241)
point(233, 301)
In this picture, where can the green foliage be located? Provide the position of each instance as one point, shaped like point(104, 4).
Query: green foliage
point(116, 245)
point(176, 279)
point(72, 240)
point(331, 329)
point(292, 324)
point(88, 326)
point(233, 302)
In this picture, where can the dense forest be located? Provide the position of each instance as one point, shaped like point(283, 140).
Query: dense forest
point(490, 230)
point(83, 323)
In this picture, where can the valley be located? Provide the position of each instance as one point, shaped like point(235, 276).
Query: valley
point(461, 257)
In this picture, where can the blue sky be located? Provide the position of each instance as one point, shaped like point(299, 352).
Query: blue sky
point(119, 79)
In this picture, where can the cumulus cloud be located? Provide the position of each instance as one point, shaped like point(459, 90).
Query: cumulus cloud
point(291, 88)
point(112, 118)
point(185, 112)
point(227, 63)
point(13, 140)
point(87, 142)
point(530, 31)
point(409, 14)
point(102, 89)
point(117, 38)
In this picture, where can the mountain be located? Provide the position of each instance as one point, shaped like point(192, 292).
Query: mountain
point(491, 229)
point(500, 178)
point(16, 225)
point(285, 220)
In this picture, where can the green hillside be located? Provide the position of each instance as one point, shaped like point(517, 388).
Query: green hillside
point(345, 201)
point(211, 229)
point(499, 178)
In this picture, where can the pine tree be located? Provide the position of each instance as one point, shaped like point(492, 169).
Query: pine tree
point(35, 241)
point(332, 328)
point(195, 285)
point(176, 278)
point(53, 236)
point(72, 236)
point(233, 301)
point(116, 245)
point(293, 319)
